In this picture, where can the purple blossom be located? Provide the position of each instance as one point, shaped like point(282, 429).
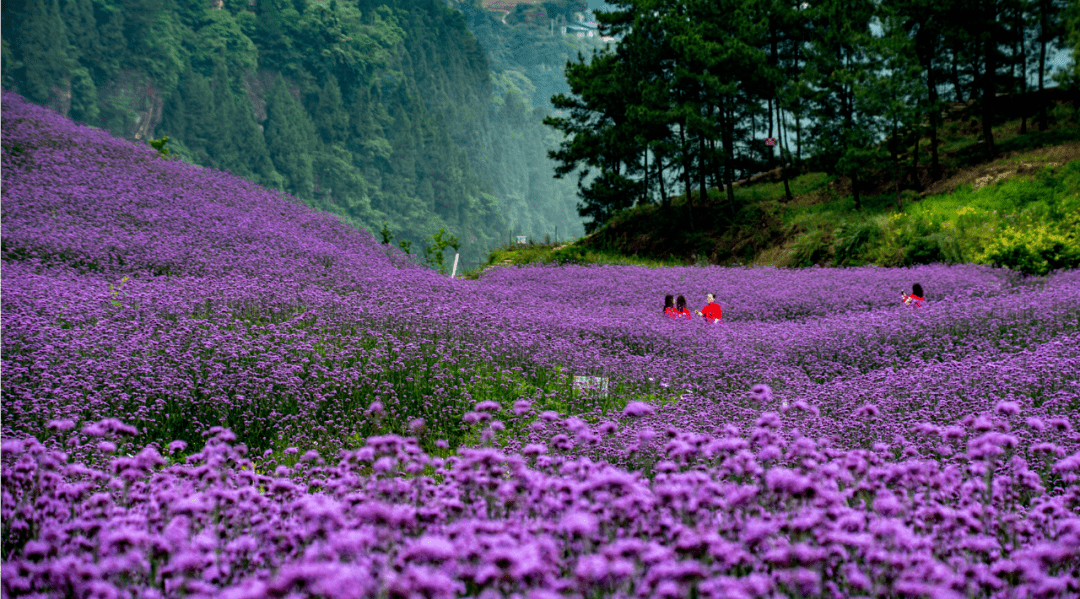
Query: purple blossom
point(637, 409)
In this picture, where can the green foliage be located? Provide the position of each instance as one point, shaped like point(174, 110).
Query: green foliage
point(857, 83)
point(1025, 218)
point(567, 253)
point(1070, 77)
point(1027, 223)
point(852, 241)
point(921, 246)
point(812, 247)
point(219, 41)
point(1034, 250)
point(385, 234)
point(434, 250)
point(159, 145)
point(84, 97)
point(289, 135)
point(36, 36)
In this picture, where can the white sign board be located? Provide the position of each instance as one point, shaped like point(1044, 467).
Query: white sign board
point(522, 239)
point(594, 384)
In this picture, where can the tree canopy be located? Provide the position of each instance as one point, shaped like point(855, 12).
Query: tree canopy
point(698, 93)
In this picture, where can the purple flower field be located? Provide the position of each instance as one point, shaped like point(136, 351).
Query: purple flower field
point(210, 390)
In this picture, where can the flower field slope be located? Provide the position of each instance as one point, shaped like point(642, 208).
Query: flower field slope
point(209, 390)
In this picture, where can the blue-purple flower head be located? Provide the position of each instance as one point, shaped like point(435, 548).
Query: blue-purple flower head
point(868, 411)
point(580, 524)
point(488, 406)
point(761, 393)
point(177, 446)
point(62, 425)
point(638, 409)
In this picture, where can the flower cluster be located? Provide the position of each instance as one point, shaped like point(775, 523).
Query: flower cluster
point(211, 390)
point(731, 515)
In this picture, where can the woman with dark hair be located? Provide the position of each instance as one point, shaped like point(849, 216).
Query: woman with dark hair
point(680, 309)
point(916, 298)
point(669, 306)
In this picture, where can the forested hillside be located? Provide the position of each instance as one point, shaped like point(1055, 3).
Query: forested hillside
point(700, 93)
point(377, 111)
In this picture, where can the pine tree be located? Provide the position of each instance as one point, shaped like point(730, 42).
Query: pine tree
point(599, 136)
point(84, 97)
point(188, 117)
point(838, 66)
point(112, 47)
point(289, 135)
point(82, 29)
point(37, 36)
point(227, 144)
point(923, 25)
point(330, 118)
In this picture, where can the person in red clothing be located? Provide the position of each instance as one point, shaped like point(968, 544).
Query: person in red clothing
point(916, 299)
point(711, 312)
point(680, 309)
point(669, 306)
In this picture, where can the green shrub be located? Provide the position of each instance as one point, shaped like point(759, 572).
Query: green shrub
point(853, 241)
point(920, 242)
point(573, 254)
point(922, 249)
point(812, 247)
point(1034, 250)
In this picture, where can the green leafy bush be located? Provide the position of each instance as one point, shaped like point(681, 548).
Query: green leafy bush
point(853, 241)
point(922, 249)
point(1034, 250)
point(812, 247)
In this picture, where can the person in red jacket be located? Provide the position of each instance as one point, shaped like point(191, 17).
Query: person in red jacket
point(916, 298)
point(680, 309)
point(669, 306)
point(711, 312)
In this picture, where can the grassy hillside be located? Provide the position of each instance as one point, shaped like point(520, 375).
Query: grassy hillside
point(1019, 210)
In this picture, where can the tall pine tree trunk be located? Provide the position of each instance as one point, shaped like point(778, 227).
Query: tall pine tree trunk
point(703, 164)
point(958, 92)
point(727, 139)
point(1021, 52)
point(781, 133)
point(897, 167)
point(701, 169)
point(1043, 9)
point(770, 148)
point(927, 50)
point(665, 201)
point(916, 180)
point(989, 89)
point(645, 190)
point(935, 116)
point(798, 138)
point(689, 184)
point(774, 60)
point(715, 167)
point(847, 103)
